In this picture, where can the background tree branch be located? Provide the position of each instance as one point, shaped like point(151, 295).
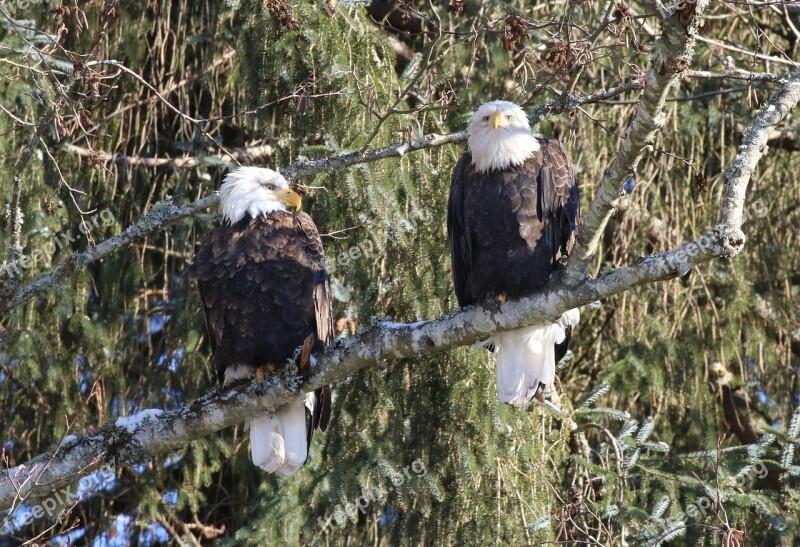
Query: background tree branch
point(14, 249)
point(236, 155)
point(168, 212)
point(158, 432)
point(671, 56)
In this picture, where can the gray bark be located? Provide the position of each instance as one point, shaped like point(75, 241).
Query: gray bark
point(79, 455)
point(671, 56)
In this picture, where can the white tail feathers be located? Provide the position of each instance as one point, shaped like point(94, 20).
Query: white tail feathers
point(526, 358)
point(279, 440)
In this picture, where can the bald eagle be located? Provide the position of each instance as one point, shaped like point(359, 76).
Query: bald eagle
point(264, 288)
point(512, 220)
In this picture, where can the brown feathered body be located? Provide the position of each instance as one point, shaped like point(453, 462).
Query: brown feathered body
point(265, 289)
point(512, 219)
point(509, 228)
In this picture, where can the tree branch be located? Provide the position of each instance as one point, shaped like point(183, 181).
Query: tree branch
point(671, 56)
point(753, 147)
point(236, 154)
point(162, 214)
point(735, 74)
point(51, 111)
point(161, 432)
point(748, 53)
point(165, 213)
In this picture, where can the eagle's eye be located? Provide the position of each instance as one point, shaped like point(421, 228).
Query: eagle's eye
point(486, 118)
point(270, 187)
point(508, 117)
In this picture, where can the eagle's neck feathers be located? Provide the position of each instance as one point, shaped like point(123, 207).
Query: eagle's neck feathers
point(499, 149)
point(246, 197)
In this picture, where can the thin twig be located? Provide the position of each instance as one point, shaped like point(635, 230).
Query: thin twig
point(752, 54)
point(162, 432)
point(166, 213)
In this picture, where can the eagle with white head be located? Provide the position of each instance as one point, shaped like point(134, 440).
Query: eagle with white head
point(512, 220)
point(265, 292)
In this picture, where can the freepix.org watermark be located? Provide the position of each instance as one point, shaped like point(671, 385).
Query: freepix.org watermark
point(368, 248)
point(700, 507)
point(56, 502)
point(43, 255)
point(12, 6)
point(680, 260)
point(346, 510)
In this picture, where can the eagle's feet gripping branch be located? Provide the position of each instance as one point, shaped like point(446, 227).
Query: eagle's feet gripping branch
point(303, 363)
point(263, 370)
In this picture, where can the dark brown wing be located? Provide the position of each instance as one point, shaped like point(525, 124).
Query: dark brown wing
point(548, 209)
point(458, 234)
point(322, 291)
point(213, 335)
point(558, 203)
point(509, 228)
point(323, 312)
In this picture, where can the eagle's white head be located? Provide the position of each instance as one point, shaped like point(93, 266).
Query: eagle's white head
point(255, 191)
point(500, 136)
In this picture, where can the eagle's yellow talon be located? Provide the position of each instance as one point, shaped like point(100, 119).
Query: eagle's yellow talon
point(304, 366)
point(262, 371)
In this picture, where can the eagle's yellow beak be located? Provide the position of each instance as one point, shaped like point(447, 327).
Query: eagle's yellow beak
point(498, 120)
point(291, 198)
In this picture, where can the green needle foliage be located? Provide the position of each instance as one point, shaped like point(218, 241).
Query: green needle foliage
point(675, 420)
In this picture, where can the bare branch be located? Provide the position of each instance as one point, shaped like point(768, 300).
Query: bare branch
point(752, 54)
point(671, 56)
point(162, 214)
point(165, 213)
point(200, 124)
point(148, 85)
point(236, 154)
point(733, 74)
point(13, 244)
point(162, 432)
point(753, 147)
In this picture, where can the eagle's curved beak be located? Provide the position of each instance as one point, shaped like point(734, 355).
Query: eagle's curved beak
point(291, 198)
point(497, 120)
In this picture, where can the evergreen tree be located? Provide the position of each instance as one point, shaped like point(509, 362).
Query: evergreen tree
point(676, 416)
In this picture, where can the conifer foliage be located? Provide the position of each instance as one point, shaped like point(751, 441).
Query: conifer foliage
point(675, 419)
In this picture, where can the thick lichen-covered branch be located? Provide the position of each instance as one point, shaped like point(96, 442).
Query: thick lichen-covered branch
point(753, 147)
point(166, 213)
point(160, 432)
point(671, 56)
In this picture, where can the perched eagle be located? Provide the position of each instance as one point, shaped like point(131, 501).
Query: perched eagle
point(512, 218)
point(265, 291)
